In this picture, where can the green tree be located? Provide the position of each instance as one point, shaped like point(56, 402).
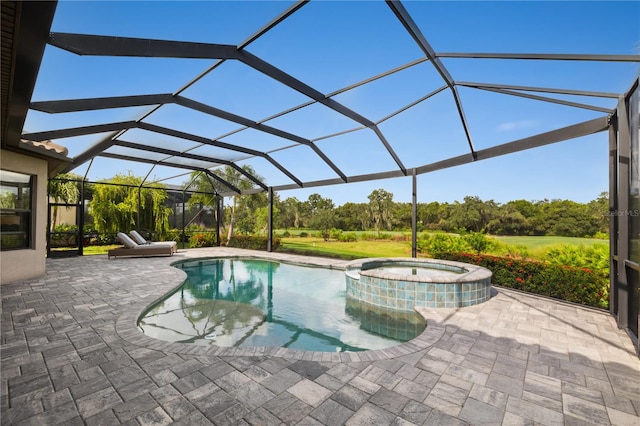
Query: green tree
point(240, 181)
point(324, 220)
point(599, 209)
point(115, 208)
point(290, 213)
point(473, 214)
point(320, 213)
point(353, 217)
point(380, 204)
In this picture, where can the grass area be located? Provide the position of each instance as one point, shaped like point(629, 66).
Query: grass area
point(98, 249)
point(350, 250)
point(536, 246)
point(537, 242)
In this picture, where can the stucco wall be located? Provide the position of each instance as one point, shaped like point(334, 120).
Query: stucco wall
point(22, 264)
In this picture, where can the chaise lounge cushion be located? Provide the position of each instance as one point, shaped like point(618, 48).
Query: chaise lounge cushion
point(131, 248)
point(140, 240)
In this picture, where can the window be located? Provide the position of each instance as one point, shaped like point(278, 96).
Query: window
point(15, 214)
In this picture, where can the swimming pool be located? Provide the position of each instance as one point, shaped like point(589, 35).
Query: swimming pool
point(242, 302)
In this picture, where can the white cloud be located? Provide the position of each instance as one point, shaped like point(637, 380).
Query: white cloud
point(514, 125)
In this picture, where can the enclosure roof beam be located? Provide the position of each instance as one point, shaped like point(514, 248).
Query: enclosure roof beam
point(97, 45)
point(169, 164)
point(542, 56)
point(547, 99)
point(79, 131)
point(91, 104)
point(200, 139)
point(275, 21)
point(173, 153)
point(570, 132)
point(75, 105)
point(297, 85)
point(83, 44)
point(538, 89)
point(125, 125)
point(412, 28)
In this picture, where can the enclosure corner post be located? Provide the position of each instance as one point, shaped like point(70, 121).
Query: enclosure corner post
point(414, 215)
point(270, 222)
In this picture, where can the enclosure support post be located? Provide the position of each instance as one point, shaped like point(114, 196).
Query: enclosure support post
point(624, 157)
point(80, 216)
point(219, 212)
point(48, 223)
point(183, 217)
point(270, 222)
point(414, 215)
point(139, 208)
point(613, 219)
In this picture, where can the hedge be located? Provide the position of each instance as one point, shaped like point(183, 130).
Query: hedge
point(252, 242)
point(577, 285)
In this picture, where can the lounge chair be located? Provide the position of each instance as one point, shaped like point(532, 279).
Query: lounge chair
point(135, 236)
point(131, 248)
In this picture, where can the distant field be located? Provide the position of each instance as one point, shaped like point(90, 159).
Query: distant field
point(351, 250)
point(535, 243)
point(385, 248)
point(535, 246)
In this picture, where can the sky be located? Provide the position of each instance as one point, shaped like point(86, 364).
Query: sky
point(330, 45)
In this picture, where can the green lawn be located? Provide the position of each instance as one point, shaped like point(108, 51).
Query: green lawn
point(351, 250)
point(536, 242)
point(385, 248)
point(535, 246)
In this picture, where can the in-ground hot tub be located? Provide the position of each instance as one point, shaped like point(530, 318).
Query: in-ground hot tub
point(405, 283)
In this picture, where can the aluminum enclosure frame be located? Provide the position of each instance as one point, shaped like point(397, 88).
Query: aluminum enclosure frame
point(31, 35)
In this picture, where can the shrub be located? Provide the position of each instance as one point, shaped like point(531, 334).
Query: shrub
point(348, 237)
point(439, 244)
point(477, 241)
point(64, 236)
point(594, 257)
point(304, 234)
point(335, 234)
point(286, 234)
point(203, 239)
point(252, 242)
point(368, 236)
point(171, 235)
point(578, 285)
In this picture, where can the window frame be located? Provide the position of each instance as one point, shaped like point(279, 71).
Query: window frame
point(25, 214)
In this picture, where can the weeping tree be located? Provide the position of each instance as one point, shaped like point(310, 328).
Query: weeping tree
point(64, 188)
point(380, 203)
point(116, 205)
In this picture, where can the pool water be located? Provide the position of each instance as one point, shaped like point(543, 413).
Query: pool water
point(251, 302)
point(419, 271)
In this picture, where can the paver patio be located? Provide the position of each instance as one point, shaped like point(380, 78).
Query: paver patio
point(71, 354)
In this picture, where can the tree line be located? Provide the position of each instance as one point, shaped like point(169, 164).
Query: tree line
point(518, 217)
point(116, 207)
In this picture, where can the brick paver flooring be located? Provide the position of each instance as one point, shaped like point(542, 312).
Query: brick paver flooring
point(71, 354)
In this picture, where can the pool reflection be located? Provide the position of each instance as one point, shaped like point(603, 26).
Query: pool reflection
point(250, 302)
